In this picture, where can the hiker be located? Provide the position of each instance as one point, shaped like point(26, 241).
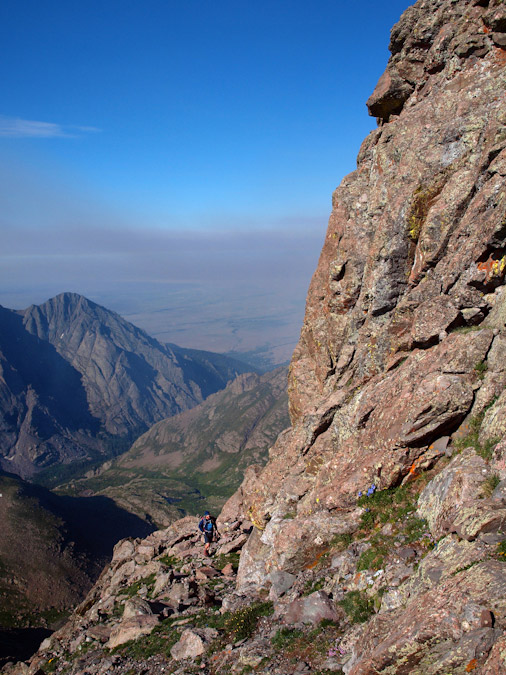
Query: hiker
point(208, 527)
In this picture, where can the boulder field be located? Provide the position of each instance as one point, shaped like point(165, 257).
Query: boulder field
point(374, 539)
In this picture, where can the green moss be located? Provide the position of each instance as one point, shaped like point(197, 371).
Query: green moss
point(373, 558)
point(490, 484)
point(171, 561)
point(230, 558)
point(466, 329)
point(421, 201)
point(313, 586)
point(481, 368)
point(134, 589)
point(386, 506)
point(465, 567)
point(358, 606)
point(160, 641)
point(285, 637)
point(472, 438)
point(341, 541)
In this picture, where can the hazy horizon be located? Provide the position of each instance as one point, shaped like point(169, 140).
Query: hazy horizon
point(175, 162)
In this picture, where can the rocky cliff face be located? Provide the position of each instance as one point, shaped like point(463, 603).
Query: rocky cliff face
point(71, 369)
point(403, 338)
point(383, 509)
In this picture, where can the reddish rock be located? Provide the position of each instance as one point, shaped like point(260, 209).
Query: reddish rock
point(228, 570)
point(206, 572)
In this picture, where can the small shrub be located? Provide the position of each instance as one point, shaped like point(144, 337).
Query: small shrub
point(358, 606)
point(373, 558)
point(486, 449)
point(465, 567)
point(341, 541)
point(501, 550)
point(171, 561)
point(242, 623)
point(223, 560)
point(481, 368)
point(385, 506)
point(134, 589)
point(312, 586)
point(285, 637)
point(490, 484)
point(159, 641)
point(465, 329)
point(472, 438)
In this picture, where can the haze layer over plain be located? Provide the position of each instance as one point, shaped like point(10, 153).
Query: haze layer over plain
point(174, 162)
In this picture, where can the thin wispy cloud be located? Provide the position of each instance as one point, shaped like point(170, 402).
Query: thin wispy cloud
point(15, 127)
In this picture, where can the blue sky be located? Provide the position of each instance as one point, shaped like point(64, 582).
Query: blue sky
point(129, 127)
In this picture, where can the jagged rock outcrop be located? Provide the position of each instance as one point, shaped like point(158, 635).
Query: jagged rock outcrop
point(71, 370)
point(385, 501)
point(405, 306)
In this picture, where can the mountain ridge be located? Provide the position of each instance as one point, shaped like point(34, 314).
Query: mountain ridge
point(119, 379)
point(197, 457)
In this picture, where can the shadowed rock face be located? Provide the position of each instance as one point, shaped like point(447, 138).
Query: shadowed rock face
point(70, 368)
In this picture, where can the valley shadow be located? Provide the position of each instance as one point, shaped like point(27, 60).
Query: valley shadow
point(98, 523)
point(95, 524)
point(33, 363)
point(18, 644)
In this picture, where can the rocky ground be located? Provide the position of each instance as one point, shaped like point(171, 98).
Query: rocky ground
point(418, 587)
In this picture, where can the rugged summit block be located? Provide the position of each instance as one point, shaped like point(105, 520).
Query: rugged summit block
point(407, 302)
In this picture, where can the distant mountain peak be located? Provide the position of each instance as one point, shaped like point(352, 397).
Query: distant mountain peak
point(125, 379)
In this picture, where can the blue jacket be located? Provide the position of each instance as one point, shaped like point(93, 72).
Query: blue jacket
point(206, 525)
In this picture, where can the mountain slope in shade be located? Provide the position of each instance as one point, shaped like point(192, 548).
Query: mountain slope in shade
point(44, 415)
point(70, 369)
point(130, 378)
point(197, 459)
point(52, 548)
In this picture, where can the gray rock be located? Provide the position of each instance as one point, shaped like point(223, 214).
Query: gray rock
point(162, 583)
point(444, 497)
point(131, 629)
point(281, 582)
point(136, 607)
point(234, 545)
point(499, 493)
point(189, 646)
point(310, 609)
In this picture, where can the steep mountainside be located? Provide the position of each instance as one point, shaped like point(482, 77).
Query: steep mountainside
point(71, 369)
point(378, 526)
point(196, 459)
point(52, 549)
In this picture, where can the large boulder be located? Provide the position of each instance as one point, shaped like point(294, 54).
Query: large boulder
point(131, 629)
point(312, 608)
point(457, 485)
